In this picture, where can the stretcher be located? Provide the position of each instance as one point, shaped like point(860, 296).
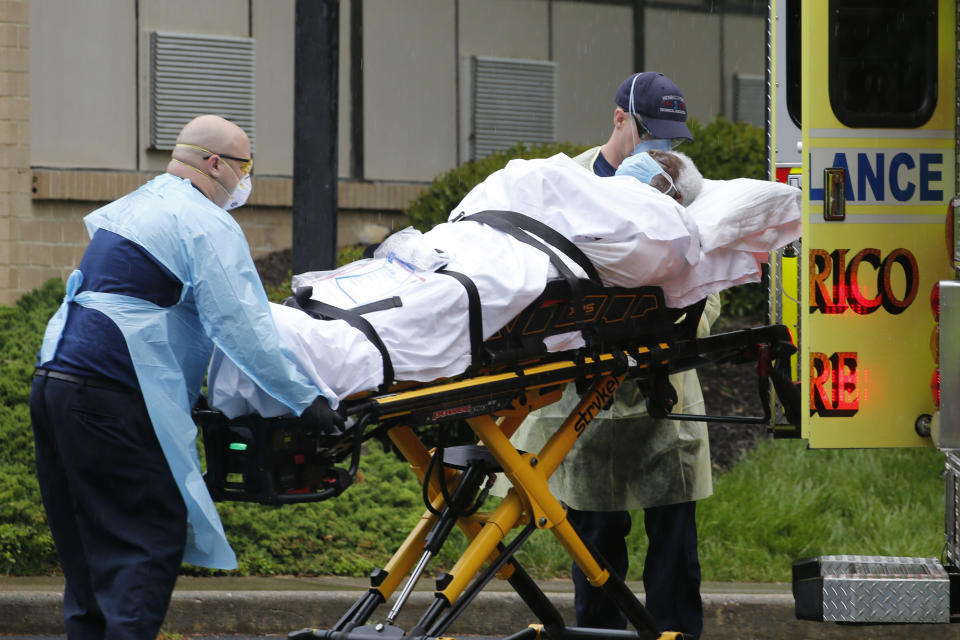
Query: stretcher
point(629, 333)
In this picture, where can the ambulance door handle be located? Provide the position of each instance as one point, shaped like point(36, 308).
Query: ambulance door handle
point(834, 194)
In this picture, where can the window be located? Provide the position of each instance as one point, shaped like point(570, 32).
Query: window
point(883, 62)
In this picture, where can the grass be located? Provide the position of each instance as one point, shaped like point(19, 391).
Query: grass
point(780, 503)
point(783, 502)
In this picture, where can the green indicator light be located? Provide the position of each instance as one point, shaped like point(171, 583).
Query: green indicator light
point(238, 446)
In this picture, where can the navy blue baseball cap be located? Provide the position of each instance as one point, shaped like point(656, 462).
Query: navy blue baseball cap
point(659, 101)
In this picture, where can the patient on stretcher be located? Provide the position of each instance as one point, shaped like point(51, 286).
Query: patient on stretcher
point(633, 234)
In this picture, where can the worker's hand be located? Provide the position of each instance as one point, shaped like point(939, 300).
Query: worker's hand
point(321, 417)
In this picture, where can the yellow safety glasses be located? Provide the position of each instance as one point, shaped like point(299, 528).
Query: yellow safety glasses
point(246, 164)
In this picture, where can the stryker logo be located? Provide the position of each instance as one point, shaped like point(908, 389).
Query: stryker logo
point(601, 399)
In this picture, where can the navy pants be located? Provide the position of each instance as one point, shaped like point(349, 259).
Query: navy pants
point(116, 515)
point(671, 570)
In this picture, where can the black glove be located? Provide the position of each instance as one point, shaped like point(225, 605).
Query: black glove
point(321, 417)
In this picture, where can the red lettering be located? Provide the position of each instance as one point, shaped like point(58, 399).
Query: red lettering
point(839, 371)
point(845, 381)
point(835, 286)
point(911, 273)
point(860, 303)
point(819, 377)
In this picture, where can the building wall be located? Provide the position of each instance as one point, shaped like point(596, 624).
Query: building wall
point(17, 271)
point(516, 29)
point(409, 89)
point(74, 122)
point(594, 49)
point(725, 44)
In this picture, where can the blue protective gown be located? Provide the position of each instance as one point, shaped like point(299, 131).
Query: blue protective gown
point(222, 302)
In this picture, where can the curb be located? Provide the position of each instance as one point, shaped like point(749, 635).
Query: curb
point(727, 616)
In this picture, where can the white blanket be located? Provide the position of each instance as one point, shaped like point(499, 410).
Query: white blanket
point(632, 233)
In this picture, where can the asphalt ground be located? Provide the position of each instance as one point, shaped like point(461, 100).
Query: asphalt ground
point(230, 606)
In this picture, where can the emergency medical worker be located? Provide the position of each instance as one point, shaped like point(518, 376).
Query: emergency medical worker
point(626, 460)
point(167, 275)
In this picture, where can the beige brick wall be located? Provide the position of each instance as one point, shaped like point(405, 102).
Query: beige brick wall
point(19, 266)
point(48, 240)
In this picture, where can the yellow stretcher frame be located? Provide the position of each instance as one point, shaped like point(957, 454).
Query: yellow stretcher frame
point(529, 504)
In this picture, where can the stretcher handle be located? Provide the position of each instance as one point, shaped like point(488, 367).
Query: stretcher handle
point(343, 477)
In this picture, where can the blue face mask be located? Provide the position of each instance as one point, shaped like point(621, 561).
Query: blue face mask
point(644, 168)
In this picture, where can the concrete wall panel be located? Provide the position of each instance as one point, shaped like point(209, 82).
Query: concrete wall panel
point(273, 24)
point(409, 89)
point(744, 44)
point(685, 45)
point(498, 28)
point(83, 84)
point(593, 47)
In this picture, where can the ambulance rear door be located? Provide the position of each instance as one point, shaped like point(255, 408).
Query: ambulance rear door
point(878, 112)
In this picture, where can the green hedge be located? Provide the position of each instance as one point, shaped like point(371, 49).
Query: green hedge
point(26, 546)
point(448, 189)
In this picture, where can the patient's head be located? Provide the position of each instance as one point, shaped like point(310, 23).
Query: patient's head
point(686, 177)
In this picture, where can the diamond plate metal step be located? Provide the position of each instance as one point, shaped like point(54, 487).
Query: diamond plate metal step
point(871, 589)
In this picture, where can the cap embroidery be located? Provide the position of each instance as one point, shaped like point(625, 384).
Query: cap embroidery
point(673, 104)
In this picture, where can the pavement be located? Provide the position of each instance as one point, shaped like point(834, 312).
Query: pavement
point(276, 605)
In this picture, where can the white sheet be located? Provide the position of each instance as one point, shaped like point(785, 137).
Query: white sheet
point(633, 234)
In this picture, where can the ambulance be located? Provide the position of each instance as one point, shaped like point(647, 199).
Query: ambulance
point(863, 117)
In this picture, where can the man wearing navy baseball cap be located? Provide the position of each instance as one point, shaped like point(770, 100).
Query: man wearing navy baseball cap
point(627, 460)
point(650, 113)
point(658, 105)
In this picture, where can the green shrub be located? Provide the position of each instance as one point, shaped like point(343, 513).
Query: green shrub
point(723, 150)
point(26, 546)
point(448, 189)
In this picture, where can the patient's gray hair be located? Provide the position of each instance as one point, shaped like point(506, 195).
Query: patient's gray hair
point(689, 180)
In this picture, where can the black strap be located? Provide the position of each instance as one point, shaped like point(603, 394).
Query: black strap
point(352, 317)
point(378, 305)
point(502, 221)
point(551, 236)
point(476, 314)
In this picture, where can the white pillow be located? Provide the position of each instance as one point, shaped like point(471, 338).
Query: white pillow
point(746, 214)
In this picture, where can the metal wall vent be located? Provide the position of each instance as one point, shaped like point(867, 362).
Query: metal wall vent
point(749, 99)
point(191, 75)
point(513, 101)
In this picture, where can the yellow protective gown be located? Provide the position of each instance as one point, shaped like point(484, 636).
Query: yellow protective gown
point(625, 459)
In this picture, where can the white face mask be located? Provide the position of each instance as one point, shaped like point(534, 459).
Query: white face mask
point(240, 193)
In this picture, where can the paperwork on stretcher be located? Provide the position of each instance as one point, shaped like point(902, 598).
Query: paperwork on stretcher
point(633, 234)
